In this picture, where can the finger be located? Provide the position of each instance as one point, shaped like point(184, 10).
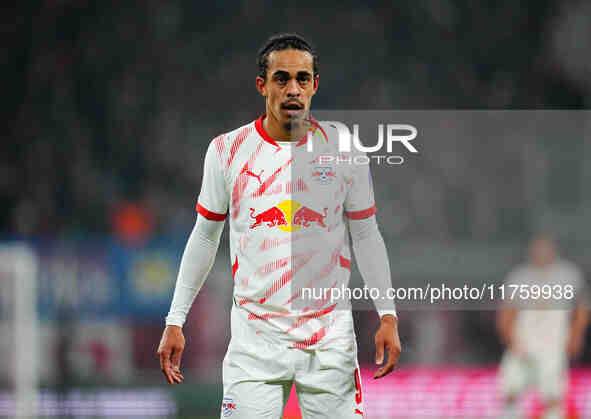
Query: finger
point(176, 358)
point(176, 364)
point(165, 365)
point(162, 356)
point(176, 372)
point(385, 370)
point(393, 355)
point(379, 351)
point(177, 376)
point(168, 375)
point(173, 375)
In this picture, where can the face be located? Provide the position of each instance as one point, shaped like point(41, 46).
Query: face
point(542, 251)
point(289, 86)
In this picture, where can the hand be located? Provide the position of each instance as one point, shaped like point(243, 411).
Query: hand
point(170, 352)
point(387, 337)
point(574, 346)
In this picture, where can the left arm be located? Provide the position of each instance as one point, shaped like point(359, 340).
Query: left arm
point(372, 260)
point(580, 319)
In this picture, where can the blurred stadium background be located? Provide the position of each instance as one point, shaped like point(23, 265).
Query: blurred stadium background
point(107, 112)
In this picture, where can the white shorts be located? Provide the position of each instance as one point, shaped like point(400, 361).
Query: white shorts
point(258, 380)
point(545, 372)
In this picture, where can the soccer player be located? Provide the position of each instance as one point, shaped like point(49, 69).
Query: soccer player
point(544, 332)
point(290, 215)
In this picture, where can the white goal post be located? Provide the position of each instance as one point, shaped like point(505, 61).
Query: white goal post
point(18, 312)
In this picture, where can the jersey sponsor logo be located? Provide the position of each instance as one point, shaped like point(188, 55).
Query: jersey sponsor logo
point(288, 215)
point(228, 406)
point(323, 174)
point(271, 218)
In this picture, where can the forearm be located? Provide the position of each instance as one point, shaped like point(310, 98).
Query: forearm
point(197, 260)
point(580, 321)
point(372, 260)
point(505, 324)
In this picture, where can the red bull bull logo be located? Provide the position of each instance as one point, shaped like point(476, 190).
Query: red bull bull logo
point(288, 215)
point(271, 217)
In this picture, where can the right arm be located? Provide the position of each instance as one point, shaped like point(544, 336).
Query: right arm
point(507, 316)
point(197, 260)
point(196, 263)
point(506, 323)
point(580, 316)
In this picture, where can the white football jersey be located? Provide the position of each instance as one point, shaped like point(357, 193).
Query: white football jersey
point(543, 323)
point(287, 208)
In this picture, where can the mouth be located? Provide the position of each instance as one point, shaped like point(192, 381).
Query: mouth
point(292, 108)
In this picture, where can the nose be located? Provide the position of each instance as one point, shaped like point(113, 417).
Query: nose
point(293, 88)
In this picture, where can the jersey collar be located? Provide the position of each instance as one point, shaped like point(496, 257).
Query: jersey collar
point(259, 127)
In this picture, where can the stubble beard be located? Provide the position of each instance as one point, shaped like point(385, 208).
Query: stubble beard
point(296, 126)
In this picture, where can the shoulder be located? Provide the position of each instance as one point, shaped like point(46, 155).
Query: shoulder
point(568, 266)
point(233, 138)
point(227, 145)
point(570, 270)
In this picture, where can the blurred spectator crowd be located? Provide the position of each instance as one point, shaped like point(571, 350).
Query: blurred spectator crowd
point(109, 107)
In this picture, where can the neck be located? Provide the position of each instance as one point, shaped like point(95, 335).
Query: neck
point(280, 132)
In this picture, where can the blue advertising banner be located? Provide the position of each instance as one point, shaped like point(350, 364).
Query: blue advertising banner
point(147, 275)
point(102, 278)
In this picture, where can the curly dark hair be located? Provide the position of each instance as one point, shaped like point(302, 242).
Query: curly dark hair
point(281, 42)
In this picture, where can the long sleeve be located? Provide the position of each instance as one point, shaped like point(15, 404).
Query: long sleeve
point(202, 246)
point(196, 263)
point(372, 260)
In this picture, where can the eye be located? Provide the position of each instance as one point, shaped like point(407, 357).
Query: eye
point(304, 78)
point(280, 79)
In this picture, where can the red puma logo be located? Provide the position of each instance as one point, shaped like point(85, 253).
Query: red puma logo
point(258, 177)
point(359, 412)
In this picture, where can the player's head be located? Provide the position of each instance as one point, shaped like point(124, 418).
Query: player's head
point(287, 78)
point(542, 249)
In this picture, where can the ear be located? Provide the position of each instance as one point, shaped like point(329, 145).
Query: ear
point(260, 83)
point(316, 83)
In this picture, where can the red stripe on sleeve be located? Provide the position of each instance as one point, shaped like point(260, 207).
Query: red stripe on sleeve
point(213, 216)
point(360, 215)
